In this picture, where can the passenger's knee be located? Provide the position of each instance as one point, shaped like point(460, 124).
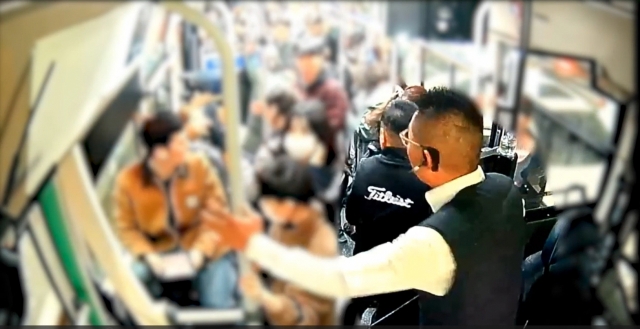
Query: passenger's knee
point(217, 283)
point(223, 268)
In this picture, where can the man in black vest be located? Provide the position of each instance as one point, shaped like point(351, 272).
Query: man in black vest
point(386, 200)
point(465, 259)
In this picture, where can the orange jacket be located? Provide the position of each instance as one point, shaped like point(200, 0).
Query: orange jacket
point(141, 210)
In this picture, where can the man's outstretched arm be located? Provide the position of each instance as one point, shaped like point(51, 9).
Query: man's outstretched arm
point(419, 259)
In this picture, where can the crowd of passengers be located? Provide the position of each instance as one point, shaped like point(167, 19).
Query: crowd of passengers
point(305, 172)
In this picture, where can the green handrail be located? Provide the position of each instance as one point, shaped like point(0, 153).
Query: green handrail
point(54, 216)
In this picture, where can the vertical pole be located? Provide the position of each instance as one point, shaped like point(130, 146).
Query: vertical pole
point(525, 39)
point(231, 106)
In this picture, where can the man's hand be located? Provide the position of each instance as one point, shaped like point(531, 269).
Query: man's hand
point(196, 258)
point(234, 230)
point(155, 263)
point(252, 286)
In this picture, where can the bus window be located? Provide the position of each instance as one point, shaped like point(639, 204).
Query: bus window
point(564, 130)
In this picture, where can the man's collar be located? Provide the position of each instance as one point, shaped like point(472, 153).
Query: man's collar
point(441, 195)
point(394, 152)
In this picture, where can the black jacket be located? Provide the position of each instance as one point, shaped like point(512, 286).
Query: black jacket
point(379, 218)
point(386, 199)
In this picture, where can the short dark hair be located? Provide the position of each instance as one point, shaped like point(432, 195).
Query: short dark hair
point(158, 129)
point(283, 177)
point(410, 93)
point(283, 99)
point(455, 127)
point(397, 116)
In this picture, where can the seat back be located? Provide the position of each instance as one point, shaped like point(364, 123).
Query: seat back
point(561, 292)
point(573, 233)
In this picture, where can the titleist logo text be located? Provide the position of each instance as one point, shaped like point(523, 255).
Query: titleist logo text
point(382, 195)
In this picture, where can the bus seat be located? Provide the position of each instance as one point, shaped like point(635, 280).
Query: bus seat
point(559, 271)
point(535, 265)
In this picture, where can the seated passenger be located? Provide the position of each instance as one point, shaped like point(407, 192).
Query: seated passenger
point(296, 220)
point(386, 200)
point(158, 202)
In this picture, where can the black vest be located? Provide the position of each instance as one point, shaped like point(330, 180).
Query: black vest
point(485, 229)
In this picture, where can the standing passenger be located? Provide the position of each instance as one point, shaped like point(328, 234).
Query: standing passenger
point(316, 84)
point(386, 200)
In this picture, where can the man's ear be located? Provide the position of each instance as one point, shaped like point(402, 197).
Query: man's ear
point(428, 162)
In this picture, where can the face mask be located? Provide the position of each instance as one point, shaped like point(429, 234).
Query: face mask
point(300, 147)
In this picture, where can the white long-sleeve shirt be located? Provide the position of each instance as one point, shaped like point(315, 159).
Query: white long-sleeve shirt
point(419, 259)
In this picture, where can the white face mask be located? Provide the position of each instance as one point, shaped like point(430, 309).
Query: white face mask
point(301, 147)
